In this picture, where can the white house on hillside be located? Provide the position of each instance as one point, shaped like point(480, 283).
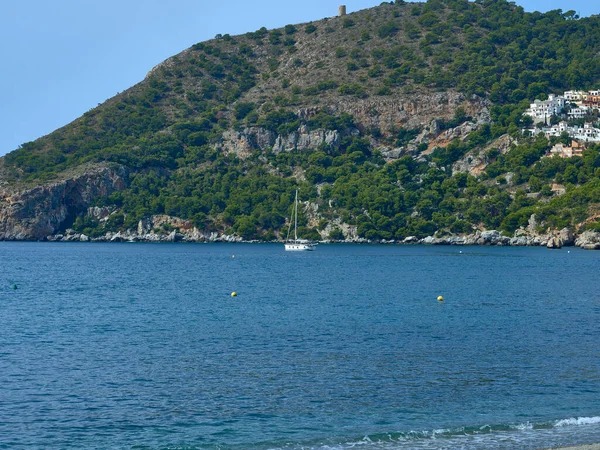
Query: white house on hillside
point(586, 133)
point(543, 109)
point(581, 104)
point(575, 96)
point(579, 113)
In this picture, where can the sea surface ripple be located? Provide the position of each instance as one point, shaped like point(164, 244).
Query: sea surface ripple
point(142, 346)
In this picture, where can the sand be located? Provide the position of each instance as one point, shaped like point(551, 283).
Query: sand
point(580, 447)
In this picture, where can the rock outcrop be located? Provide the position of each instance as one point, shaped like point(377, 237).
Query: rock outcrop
point(35, 213)
point(157, 228)
point(304, 139)
point(387, 114)
point(522, 238)
point(589, 240)
point(554, 242)
point(244, 142)
point(475, 161)
point(412, 110)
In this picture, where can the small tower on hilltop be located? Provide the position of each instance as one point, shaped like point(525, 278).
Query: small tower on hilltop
point(342, 10)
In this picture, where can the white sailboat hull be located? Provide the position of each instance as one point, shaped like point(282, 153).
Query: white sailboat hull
point(296, 247)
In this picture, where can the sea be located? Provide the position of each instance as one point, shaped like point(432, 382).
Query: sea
point(143, 346)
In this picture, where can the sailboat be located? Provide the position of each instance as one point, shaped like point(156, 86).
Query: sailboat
point(297, 245)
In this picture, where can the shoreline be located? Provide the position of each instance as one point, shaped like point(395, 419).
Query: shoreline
point(428, 242)
point(420, 242)
point(587, 240)
point(164, 228)
point(578, 447)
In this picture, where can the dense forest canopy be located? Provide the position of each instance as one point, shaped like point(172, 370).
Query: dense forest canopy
point(168, 130)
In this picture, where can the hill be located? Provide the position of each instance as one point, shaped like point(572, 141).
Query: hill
point(397, 121)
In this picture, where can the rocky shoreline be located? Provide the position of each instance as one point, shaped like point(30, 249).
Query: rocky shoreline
point(164, 228)
point(588, 240)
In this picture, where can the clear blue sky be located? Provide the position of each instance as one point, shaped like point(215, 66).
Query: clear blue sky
point(60, 58)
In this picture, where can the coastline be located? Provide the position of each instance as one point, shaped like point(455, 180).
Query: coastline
point(164, 228)
point(588, 240)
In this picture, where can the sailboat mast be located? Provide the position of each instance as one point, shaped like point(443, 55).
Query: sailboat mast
point(296, 217)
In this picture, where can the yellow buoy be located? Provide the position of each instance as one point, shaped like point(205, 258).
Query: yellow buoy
point(234, 294)
point(440, 298)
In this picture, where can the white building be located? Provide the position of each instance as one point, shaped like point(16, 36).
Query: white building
point(586, 133)
point(575, 96)
point(556, 130)
point(579, 112)
point(543, 109)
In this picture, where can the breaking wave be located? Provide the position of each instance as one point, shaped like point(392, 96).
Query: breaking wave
point(526, 435)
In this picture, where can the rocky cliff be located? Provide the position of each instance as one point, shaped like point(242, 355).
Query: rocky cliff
point(420, 111)
point(38, 212)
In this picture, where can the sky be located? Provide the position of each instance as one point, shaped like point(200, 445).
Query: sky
point(61, 58)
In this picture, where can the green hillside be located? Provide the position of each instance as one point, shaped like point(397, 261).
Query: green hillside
point(175, 131)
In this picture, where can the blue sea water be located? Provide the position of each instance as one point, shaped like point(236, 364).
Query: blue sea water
point(142, 346)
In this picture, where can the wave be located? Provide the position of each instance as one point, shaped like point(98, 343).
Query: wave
point(522, 436)
point(577, 421)
point(489, 429)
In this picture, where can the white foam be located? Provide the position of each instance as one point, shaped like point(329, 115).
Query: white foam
point(577, 421)
point(518, 435)
point(443, 431)
point(524, 426)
